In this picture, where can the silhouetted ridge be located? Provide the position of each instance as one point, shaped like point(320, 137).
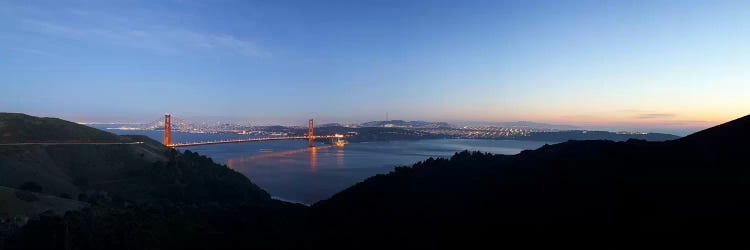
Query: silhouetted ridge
point(735, 131)
point(15, 127)
point(139, 173)
point(696, 185)
point(137, 196)
point(581, 191)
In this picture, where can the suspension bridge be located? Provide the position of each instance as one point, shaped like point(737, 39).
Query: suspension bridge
point(185, 126)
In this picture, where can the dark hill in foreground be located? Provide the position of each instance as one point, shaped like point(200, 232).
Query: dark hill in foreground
point(139, 173)
point(15, 127)
point(136, 196)
point(582, 189)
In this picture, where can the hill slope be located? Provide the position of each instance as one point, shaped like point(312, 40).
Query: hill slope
point(137, 172)
point(15, 127)
point(697, 184)
point(581, 190)
point(12, 202)
point(135, 196)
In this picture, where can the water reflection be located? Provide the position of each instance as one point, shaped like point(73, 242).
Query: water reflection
point(340, 157)
point(312, 157)
point(289, 170)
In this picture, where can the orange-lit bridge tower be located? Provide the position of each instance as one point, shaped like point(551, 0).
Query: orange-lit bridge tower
point(167, 129)
point(310, 137)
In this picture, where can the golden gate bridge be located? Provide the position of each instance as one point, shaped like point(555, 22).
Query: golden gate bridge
point(185, 126)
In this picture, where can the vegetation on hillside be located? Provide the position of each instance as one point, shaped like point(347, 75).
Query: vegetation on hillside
point(581, 190)
point(15, 127)
point(697, 185)
point(274, 224)
point(139, 189)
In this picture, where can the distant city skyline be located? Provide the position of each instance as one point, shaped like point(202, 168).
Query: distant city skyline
point(680, 131)
point(618, 65)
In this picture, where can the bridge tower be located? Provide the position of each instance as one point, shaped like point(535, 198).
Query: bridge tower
point(310, 138)
point(167, 129)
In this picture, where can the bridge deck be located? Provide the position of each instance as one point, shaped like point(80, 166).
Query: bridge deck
point(189, 144)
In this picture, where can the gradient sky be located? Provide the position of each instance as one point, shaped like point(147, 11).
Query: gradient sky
point(614, 64)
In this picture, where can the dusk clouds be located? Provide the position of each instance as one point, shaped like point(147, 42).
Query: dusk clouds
point(656, 116)
point(558, 62)
point(114, 29)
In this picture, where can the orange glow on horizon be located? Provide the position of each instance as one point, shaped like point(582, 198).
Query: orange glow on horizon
point(651, 119)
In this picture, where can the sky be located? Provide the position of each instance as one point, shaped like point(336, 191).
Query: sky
point(656, 65)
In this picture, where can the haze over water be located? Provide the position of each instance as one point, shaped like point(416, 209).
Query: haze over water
point(289, 170)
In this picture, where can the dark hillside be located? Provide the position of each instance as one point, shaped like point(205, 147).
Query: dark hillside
point(581, 192)
point(735, 133)
point(136, 172)
point(138, 196)
point(695, 185)
point(15, 127)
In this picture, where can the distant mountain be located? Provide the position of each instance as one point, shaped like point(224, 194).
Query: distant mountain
point(561, 136)
point(524, 124)
point(529, 124)
point(405, 124)
point(329, 125)
point(363, 134)
point(600, 189)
